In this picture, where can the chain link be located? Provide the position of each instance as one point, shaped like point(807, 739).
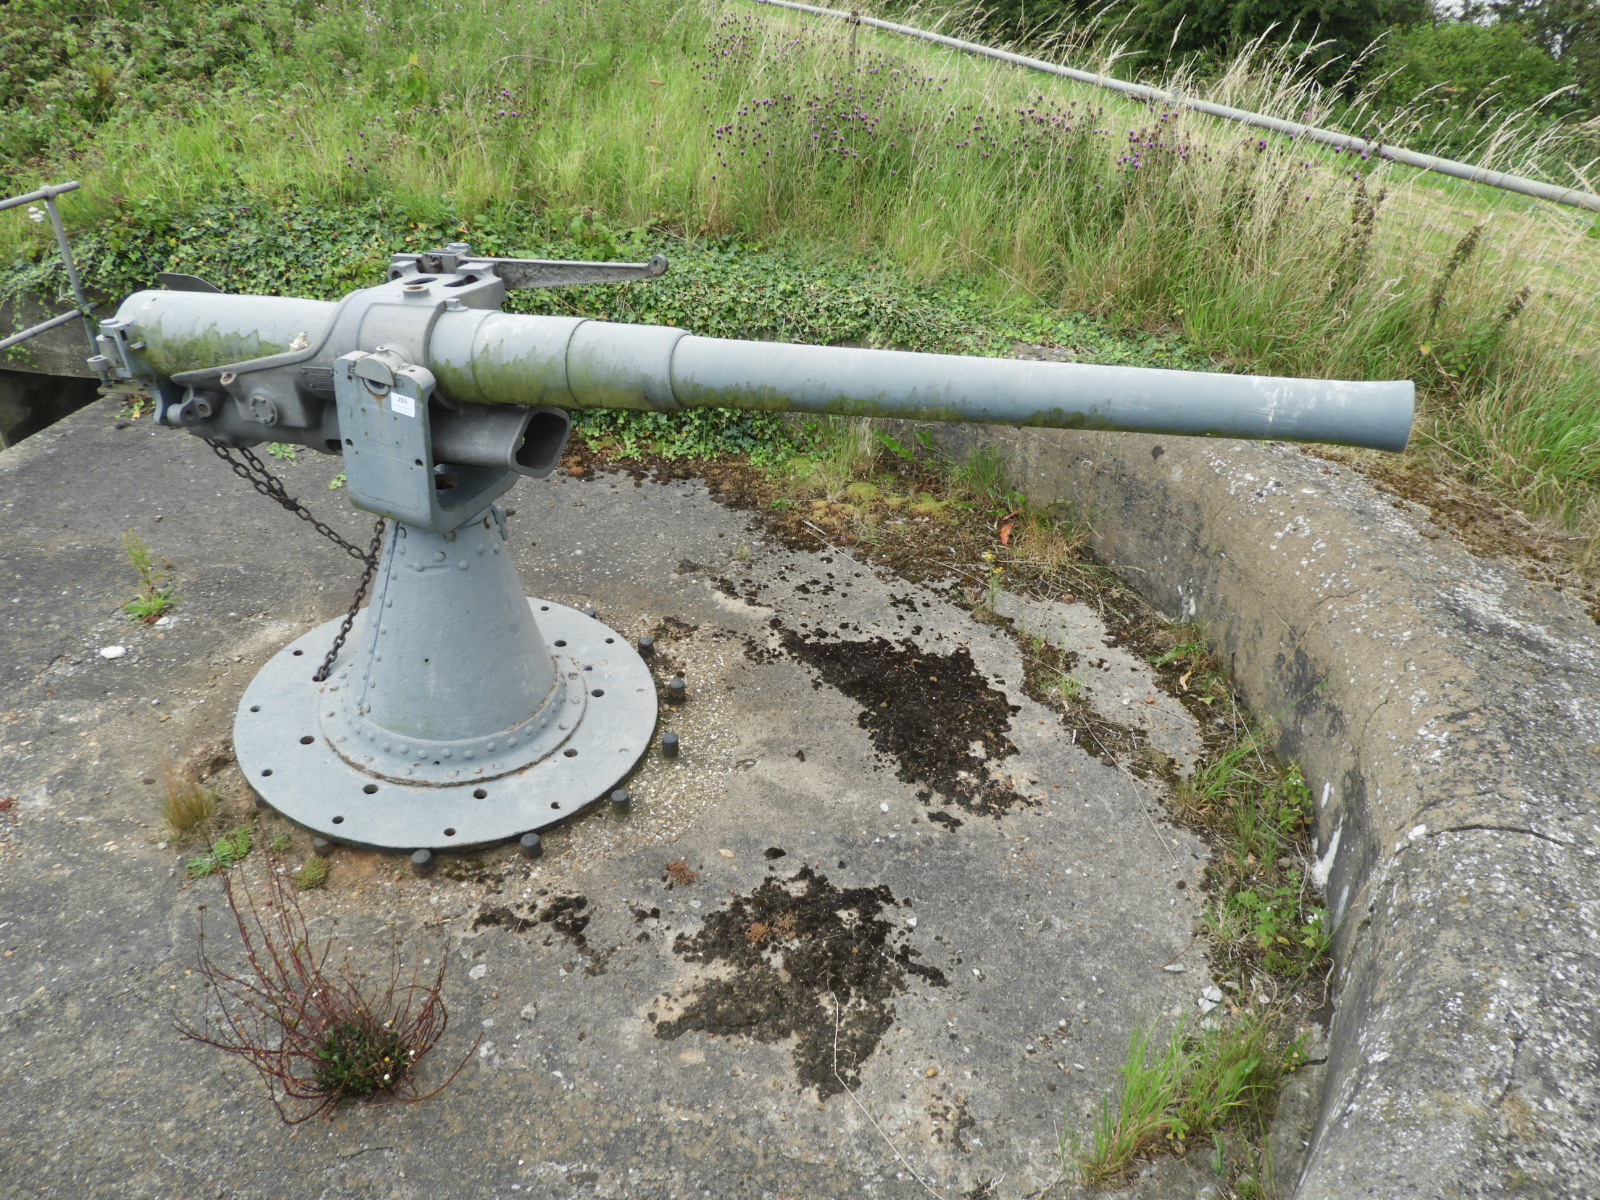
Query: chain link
point(254, 472)
point(355, 603)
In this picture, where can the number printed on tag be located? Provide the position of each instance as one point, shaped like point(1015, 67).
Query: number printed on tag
point(405, 406)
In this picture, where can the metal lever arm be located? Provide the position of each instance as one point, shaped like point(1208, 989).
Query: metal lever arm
point(523, 273)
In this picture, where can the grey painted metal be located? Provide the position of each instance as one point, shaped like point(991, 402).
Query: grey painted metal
point(395, 445)
point(523, 273)
point(1572, 197)
point(286, 748)
point(178, 282)
point(501, 358)
point(462, 713)
point(388, 453)
point(455, 679)
point(85, 309)
point(484, 356)
point(47, 193)
point(41, 327)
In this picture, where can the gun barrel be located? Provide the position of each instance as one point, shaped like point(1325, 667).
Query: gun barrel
point(485, 356)
point(502, 358)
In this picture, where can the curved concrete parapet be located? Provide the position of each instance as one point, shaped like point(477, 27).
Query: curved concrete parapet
point(1447, 714)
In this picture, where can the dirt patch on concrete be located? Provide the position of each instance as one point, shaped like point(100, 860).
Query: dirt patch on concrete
point(805, 959)
point(562, 914)
point(944, 743)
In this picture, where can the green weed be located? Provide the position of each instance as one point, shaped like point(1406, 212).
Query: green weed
point(840, 452)
point(1188, 648)
point(226, 852)
point(1194, 1085)
point(981, 478)
point(157, 593)
point(1289, 930)
point(319, 1036)
point(313, 874)
point(1269, 934)
point(1263, 914)
point(359, 1058)
point(1069, 686)
point(135, 406)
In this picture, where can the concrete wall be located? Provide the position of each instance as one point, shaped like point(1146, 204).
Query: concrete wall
point(44, 378)
point(1447, 713)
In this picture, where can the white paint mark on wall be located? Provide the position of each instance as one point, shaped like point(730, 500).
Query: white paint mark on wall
point(1323, 867)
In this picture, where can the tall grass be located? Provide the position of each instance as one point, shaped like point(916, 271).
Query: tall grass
point(703, 120)
point(1185, 1090)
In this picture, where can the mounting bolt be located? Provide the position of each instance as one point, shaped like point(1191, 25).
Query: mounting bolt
point(647, 647)
point(676, 690)
point(588, 611)
point(621, 801)
point(531, 846)
point(321, 847)
point(669, 745)
point(422, 863)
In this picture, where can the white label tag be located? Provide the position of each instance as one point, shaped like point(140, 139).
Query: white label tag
point(405, 406)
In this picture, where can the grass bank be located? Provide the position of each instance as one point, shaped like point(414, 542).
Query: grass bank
point(702, 122)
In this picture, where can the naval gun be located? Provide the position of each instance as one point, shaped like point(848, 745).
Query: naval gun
point(464, 713)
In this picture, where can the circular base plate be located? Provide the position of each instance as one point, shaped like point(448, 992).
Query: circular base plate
point(292, 766)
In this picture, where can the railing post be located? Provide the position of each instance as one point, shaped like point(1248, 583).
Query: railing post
point(84, 311)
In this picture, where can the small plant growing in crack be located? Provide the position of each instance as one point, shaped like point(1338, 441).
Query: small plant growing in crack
point(226, 852)
point(319, 1036)
point(313, 875)
point(1219, 1084)
point(1069, 685)
point(157, 593)
point(187, 805)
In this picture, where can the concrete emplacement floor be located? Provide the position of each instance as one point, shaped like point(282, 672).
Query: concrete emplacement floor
point(639, 1037)
point(973, 983)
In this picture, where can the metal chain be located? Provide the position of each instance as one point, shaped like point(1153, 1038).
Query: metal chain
point(254, 472)
point(355, 603)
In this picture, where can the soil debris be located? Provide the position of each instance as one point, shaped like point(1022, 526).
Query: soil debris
point(679, 872)
point(471, 868)
point(564, 914)
point(933, 741)
point(504, 917)
point(951, 1124)
point(801, 958)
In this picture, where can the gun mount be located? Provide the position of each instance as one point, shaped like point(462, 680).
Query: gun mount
point(465, 713)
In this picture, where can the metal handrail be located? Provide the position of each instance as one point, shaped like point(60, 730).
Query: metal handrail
point(47, 193)
point(85, 310)
point(1573, 197)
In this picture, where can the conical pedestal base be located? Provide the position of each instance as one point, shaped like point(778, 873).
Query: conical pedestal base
point(558, 708)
